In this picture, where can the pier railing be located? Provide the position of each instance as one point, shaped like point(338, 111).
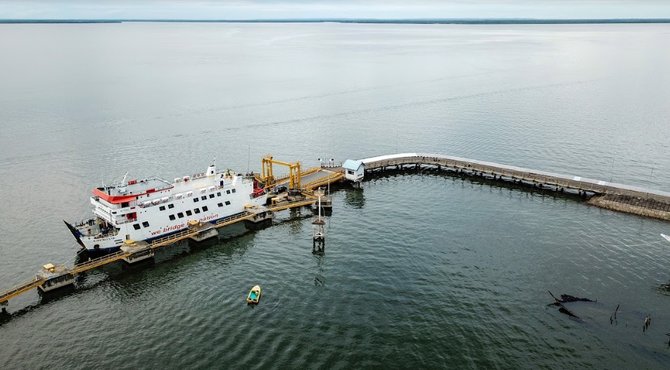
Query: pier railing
point(610, 195)
point(20, 289)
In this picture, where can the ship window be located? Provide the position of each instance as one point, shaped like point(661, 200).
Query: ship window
point(211, 196)
point(136, 226)
point(170, 206)
point(227, 202)
point(197, 210)
point(162, 208)
point(227, 191)
point(203, 197)
point(180, 215)
point(172, 217)
point(124, 204)
point(233, 190)
point(145, 224)
point(220, 204)
point(204, 208)
point(196, 200)
point(218, 194)
point(188, 212)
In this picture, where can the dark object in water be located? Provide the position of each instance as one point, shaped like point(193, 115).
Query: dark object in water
point(615, 320)
point(664, 287)
point(571, 298)
point(647, 323)
point(562, 308)
point(565, 298)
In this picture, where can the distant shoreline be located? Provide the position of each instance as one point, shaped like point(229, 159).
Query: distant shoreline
point(349, 20)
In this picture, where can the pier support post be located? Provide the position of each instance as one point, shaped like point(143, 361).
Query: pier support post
point(137, 252)
point(319, 234)
point(55, 277)
point(318, 244)
point(261, 220)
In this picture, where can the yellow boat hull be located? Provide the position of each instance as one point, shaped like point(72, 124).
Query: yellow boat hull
point(254, 295)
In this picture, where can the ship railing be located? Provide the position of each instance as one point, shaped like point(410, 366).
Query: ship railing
point(106, 235)
point(83, 222)
point(125, 221)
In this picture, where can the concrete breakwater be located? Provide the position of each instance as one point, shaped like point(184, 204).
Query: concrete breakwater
point(604, 194)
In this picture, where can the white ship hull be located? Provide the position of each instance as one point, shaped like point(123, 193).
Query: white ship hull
point(153, 208)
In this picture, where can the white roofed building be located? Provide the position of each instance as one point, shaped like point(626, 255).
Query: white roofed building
point(353, 170)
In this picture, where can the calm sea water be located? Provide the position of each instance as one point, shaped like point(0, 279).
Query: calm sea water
point(420, 270)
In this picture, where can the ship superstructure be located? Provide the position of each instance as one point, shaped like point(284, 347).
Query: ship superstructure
point(142, 210)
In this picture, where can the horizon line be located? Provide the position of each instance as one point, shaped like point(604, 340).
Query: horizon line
point(347, 20)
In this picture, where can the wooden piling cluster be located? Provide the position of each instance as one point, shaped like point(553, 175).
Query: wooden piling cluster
point(604, 194)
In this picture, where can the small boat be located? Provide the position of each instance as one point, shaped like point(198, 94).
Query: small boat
point(254, 295)
point(666, 237)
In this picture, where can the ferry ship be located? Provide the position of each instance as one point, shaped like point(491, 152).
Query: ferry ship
point(143, 210)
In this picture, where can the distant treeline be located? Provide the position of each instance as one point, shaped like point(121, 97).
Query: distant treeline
point(353, 20)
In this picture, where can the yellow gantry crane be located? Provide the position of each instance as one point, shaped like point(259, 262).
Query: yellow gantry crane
point(268, 176)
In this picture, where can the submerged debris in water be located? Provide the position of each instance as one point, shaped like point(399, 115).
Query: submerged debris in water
point(571, 298)
point(614, 320)
point(664, 287)
point(562, 308)
point(647, 323)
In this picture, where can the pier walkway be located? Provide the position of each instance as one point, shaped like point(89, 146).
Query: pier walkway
point(614, 196)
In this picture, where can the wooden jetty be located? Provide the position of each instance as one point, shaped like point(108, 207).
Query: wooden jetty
point(299, 186)
point(604, 194)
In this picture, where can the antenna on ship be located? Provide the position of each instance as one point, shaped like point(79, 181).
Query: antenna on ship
point(124, 179)
point(248, 156)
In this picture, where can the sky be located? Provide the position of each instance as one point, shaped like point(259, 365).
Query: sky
point(291, 9)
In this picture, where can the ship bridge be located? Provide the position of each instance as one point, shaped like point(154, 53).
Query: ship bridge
point(131, 190)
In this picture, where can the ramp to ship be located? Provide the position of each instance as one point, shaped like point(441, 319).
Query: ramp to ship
point(313, 178)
